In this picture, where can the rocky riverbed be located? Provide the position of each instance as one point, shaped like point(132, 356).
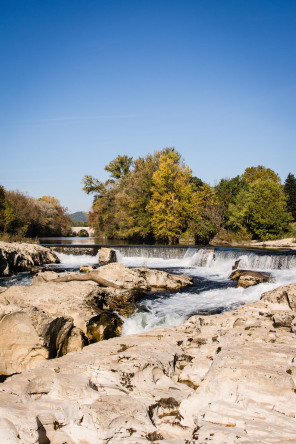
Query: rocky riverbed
point(227, 378)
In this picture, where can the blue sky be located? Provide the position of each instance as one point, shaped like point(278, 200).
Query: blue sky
point(84, 81)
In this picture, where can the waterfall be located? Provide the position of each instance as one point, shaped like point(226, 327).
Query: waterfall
point(243, 259)
point(153, 252)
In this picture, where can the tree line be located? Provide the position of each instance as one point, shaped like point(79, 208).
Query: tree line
point(23, 216)
point(156, 198)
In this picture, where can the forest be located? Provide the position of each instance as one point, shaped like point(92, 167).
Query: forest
point(22, 216)
point(157, 199)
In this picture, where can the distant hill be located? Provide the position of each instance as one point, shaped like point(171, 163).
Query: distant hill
point(79, 216)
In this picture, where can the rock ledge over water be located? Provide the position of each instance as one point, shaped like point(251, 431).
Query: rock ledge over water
point(15, 257)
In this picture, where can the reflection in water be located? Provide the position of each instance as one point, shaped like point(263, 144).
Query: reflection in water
point(83, 241)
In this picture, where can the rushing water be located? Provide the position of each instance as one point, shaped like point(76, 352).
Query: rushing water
point(210, 268)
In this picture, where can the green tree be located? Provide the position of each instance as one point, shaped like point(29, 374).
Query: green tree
point(227, 190)
point(170, 204)
point(262, 209)
point(290, 191)
point(260, 173)
point(205, 216)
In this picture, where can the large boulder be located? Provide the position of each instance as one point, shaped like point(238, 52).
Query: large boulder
point(142, 278)
point(107, 256)
point(16, 257)
point(247, 278)
point(20, 345)
point(158, 279)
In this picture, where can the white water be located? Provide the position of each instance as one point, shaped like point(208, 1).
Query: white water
point(213, 291)
point(72, 260)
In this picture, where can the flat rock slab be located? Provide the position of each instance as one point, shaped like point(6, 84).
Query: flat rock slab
point(227, 378)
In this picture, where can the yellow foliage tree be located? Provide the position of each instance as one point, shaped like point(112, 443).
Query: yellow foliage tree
point(170, 203)
point(259, 172)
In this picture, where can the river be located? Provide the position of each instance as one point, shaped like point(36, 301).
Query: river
point(209, 267)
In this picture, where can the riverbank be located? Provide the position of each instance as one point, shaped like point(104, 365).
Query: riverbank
point(272, 244)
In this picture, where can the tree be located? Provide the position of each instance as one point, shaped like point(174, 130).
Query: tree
point(290, 191)
point(171, 197)
point(205, 216)
point(133, 197)
point(262, 209)
point(93, 186)
point(2, 207)
point(260, 173)
point(120, 166)
point(227, 190)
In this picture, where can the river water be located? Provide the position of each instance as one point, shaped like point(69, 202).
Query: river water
point(210, 268)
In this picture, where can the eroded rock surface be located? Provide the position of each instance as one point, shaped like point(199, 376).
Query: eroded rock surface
point(227, 378)
point(51, 318)
point(16, 257)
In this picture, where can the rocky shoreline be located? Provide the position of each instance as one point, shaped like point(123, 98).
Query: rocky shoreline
point(227, 378)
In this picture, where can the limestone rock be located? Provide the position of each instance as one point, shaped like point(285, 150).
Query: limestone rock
point(20, 345)
point(23, 257)
point(65, 316)
point(227, 378)
point(284, 296)
point(107, 256)
point(142, 278)
point(86, 268)
point(158, 279)
point(247, 278)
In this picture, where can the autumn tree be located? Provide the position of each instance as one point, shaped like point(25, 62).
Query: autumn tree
point(2, 207)
point(170, 203)
point(259, 172)
point(290, 191)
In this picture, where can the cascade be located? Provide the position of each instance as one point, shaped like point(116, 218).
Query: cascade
point(153, 252)
point(244, 259)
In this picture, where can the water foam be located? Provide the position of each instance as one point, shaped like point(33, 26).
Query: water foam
point(206, 265)
point(72, 260)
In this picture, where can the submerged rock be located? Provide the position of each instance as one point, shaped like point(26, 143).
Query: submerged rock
point(247, 278)
point(16, 257)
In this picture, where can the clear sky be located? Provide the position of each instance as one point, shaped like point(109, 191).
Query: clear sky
point(83, 81)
